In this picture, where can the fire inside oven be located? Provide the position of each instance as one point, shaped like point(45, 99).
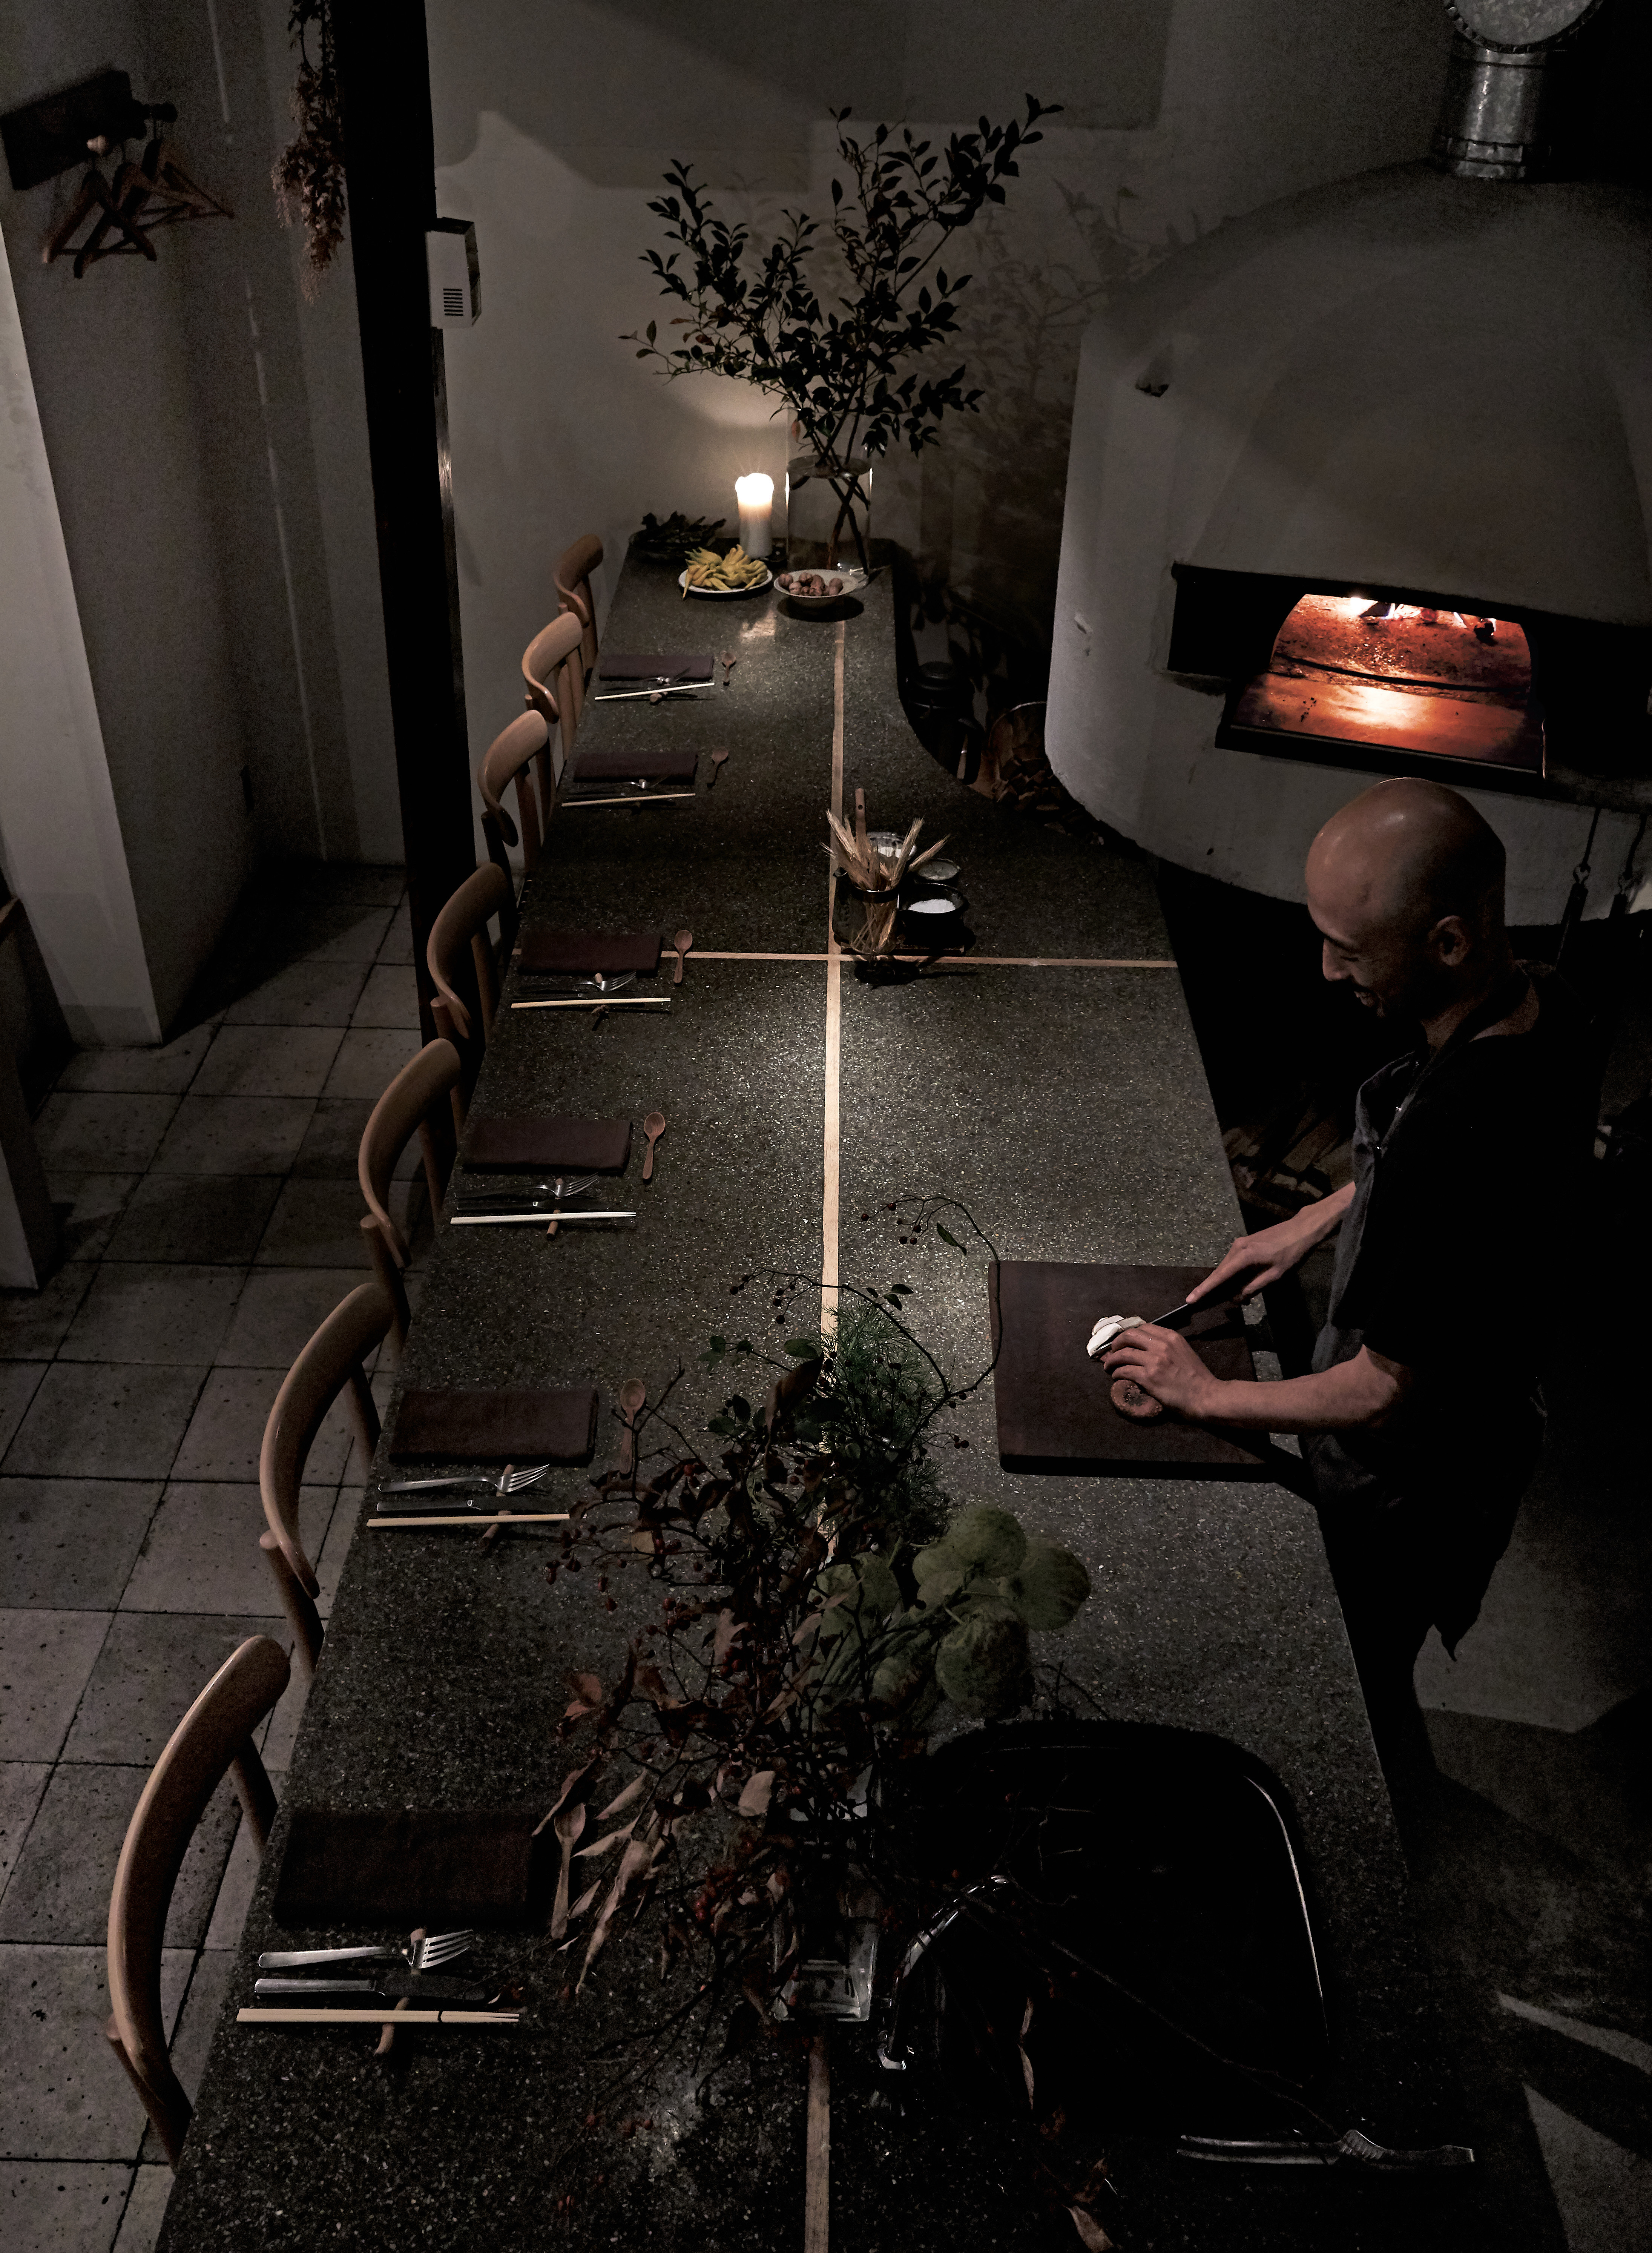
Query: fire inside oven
point(1371, 674)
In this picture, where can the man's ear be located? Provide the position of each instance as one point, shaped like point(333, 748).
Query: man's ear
point(1451, 941)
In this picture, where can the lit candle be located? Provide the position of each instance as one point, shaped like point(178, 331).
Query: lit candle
point(755, 497)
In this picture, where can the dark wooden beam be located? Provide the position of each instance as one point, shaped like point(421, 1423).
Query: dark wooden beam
point(384, 70)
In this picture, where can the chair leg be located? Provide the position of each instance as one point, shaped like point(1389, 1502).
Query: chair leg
point(169, 2110)
point(387, 1272)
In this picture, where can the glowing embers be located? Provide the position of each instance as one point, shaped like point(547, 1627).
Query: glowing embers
point(1352, 673)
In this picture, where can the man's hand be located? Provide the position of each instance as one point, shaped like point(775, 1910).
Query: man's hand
point(1255, 1261)
point(1166, 1365)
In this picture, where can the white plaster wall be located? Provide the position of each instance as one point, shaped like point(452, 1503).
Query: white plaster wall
point(60, 836)
point(208, 443)
point(555, 126)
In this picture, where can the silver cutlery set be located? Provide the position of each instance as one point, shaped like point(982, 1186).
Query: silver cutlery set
point(475, 1207)
point(342, 1985)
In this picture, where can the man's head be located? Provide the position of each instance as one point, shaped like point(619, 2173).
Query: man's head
point(1405, 885)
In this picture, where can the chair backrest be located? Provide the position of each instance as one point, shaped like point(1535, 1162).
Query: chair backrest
point(423, 1099)
point(511, 757)
point(573, 576)
point(213, 1739)
point(331, 1363)
point(555, 679)
point(460, 953)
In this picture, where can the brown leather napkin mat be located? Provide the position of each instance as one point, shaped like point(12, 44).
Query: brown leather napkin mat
point(554, 1144)
point(1053, 1412)
point(579, 952)
point(409, 1868)
point(624, 665)
point(497, 1427)
point(634, 766)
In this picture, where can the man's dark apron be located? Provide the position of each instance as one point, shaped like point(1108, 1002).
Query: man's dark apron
point(1421, 1509)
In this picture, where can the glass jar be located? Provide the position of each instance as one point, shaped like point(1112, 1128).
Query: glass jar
point(829, 512)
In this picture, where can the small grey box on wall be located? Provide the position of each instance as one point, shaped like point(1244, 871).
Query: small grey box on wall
point(456, 276)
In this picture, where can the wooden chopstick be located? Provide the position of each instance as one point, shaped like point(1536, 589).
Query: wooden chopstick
point(475, 1517)
point(596, 1002)
point(643, 797)
point(258, 2016)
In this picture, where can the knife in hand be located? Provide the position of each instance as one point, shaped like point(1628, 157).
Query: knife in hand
point(389, 1986)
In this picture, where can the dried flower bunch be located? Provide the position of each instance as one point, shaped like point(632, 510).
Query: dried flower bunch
point(308, 175)
point(877, 874)
point(821, 1606)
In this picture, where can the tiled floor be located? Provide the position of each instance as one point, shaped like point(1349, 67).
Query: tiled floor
point(212, 1218)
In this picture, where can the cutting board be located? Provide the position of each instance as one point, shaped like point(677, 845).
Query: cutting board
point(1053, 1412)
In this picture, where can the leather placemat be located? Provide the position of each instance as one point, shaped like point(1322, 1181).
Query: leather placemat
point(634, 766)
point(1053, 1412)
point(577, 953)
point(550, 1145)
point(408, 1867)
point(497, 1427)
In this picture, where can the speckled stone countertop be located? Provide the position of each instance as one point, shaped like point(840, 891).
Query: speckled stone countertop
point(1067, 1110)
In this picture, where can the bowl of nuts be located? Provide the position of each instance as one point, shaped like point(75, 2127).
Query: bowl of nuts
point(814, 590)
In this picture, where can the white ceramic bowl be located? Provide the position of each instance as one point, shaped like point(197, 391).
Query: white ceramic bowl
point(854, 583)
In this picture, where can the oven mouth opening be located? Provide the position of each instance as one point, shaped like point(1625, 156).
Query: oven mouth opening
point(1368, 674)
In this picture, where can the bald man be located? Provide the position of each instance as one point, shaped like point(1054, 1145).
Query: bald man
point(1422, 1417)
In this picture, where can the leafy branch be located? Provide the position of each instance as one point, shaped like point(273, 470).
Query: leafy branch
point(835, 356)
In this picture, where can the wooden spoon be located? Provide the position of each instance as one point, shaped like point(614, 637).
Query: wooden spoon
point(633, 1394)
point(717, 758)
point(683, 941)
point(653, 1126)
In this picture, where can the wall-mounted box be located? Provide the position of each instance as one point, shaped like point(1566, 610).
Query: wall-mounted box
point(456, 274)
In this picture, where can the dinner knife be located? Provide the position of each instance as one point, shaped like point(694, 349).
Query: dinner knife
point(389, 1986)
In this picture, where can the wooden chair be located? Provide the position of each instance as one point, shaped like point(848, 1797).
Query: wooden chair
point(512, 756)
point(411, 1104)
point(460, 953)
point(331, 1363)
point(555, 678)
point(573, 576)
point(213, 1739)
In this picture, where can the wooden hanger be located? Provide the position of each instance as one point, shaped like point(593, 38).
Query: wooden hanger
point(172, 195)
point(97, 195)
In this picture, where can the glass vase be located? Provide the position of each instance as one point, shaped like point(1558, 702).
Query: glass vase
point(829, 512)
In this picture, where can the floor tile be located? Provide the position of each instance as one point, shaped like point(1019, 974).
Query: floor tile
point(21, 1784)
point(59, 1891)
point(390, 997)
point(368, 1061)
point(304, 994)
point(350, 880)
point(145, 2210)
point(316, 1224)
point(18, 1381)
point(268, 1060)
point(216, 1218)
point(32, 1323)
point(234, 1134)
point(58, 2206)
point(88, 1207)
point(46, 1661)
point(69, 1544)
point(101, 1133)
point(332, 1141)
point(151, 1666)
point(398, 945)
point(164, 1313)
point(327, 931)
point(165, 1070)
point(89, 1419)
point(246, 1858)
point(226, 1431)
point(201, 1552)
point(280, 1309)
point(62, 2088)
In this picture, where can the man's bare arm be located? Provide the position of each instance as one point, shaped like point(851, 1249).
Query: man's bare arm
point(1356, 1395)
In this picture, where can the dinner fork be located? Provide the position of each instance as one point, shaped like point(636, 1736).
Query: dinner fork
point(509, 1480)
point(421, 1954)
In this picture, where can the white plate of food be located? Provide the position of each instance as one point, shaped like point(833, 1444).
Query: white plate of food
point(723, 578)
point(812, 591)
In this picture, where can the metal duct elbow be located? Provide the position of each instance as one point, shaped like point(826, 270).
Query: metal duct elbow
point(1507, 61)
